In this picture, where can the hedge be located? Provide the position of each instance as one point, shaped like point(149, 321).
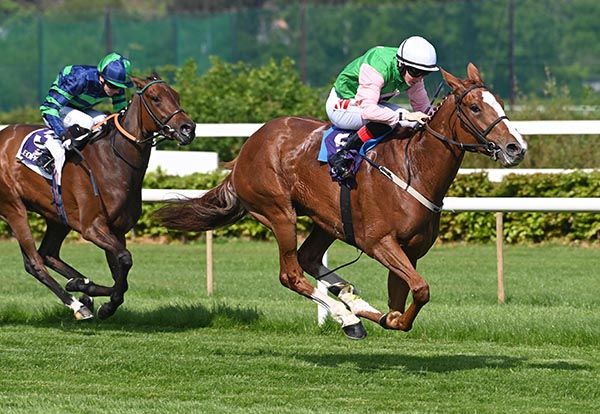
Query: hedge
point(467, 226)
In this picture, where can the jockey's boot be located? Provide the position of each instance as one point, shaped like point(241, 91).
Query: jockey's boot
point(46, 162)
point(341, 161)
point(75, 136)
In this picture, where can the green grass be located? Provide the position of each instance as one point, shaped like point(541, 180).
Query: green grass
point(254, 347)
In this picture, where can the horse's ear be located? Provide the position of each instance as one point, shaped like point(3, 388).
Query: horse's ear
point(154, 76)
point(473, 73)
point(452, 81)
point(138, 82)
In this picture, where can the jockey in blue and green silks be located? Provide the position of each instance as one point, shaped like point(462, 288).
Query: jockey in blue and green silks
point(76, 90)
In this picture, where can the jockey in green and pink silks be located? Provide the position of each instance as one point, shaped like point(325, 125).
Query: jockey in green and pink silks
point(358, 99)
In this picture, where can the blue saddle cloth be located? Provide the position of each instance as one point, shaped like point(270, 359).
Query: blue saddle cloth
point(334, 139)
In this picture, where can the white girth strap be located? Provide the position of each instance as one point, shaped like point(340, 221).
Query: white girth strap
point(410, 190)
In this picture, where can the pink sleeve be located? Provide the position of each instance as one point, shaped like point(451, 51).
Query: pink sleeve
point(417, 95)
point(370, 83)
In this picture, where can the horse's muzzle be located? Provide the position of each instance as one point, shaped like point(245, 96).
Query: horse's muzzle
point(186, 133)
point(512, 155)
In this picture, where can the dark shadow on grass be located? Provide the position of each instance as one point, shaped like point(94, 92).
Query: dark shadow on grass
point(435, 364)
point(166, 318)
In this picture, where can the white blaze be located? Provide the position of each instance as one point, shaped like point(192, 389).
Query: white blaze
point(491, 100)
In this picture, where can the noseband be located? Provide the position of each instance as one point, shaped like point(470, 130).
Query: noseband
point(491, 148)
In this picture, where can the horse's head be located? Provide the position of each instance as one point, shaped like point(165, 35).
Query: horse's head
point(483, 126)
point(161, 112)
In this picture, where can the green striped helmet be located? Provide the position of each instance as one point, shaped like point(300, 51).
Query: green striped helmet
point(116, 70)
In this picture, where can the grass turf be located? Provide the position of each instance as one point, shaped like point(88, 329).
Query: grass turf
point(255, 347)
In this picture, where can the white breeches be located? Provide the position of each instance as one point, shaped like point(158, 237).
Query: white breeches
point(70, 117)
point(86, 119)
point(346, 114)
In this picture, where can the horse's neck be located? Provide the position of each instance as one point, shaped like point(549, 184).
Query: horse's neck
point(430, 164)
point(126, 156)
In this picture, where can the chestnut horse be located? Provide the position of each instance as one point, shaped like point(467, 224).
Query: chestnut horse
point(104, 212)
point(277, 177)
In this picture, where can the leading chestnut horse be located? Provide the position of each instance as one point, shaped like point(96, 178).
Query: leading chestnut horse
point(277, 177)
point(103, 213)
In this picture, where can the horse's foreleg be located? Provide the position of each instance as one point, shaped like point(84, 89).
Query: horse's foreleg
point(398, 291)
point(391, 255)
point(119, 261)
point(34, 264)
point(310, 257)
point(49, 250)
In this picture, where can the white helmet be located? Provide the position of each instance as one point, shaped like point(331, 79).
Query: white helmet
point(418, 53)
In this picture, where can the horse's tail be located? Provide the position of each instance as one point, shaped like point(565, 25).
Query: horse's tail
point(218, 207)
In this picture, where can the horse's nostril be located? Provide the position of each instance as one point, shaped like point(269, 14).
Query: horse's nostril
point(513, 149)
point(187, 130)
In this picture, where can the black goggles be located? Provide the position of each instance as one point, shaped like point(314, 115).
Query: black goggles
point(111, 86)
point(416, 73)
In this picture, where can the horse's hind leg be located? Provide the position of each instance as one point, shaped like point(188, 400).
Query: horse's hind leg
point(283, 225)
point(310, 257)
point(50, 251)
point(34, 264)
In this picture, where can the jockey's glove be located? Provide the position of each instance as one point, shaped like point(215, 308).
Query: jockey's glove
point(418, 116)
point(67, 144)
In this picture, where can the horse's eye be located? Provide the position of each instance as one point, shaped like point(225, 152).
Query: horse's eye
point(154, 98)
point(474, 108)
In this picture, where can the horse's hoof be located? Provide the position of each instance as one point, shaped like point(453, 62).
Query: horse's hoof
point(83, 313)
point(105, 311)
point(355, 331)
point(87, 301)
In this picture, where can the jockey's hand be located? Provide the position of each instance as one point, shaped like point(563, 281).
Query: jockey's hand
point(67, 144)
point(417, 116)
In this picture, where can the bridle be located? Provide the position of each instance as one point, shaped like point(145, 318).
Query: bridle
point(489, 147)
point(164, 130)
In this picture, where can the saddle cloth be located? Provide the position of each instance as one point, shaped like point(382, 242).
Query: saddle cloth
point(33, 147)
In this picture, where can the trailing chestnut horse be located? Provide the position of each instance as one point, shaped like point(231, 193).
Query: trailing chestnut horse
point(118, 160)
point(277, 177)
